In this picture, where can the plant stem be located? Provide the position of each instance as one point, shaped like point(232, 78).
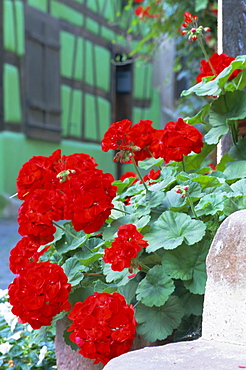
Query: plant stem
point(120, 210)
point(64, 229)
point(145, 267)
point(188, 195)
point(192, 205)
point(138, 173)
point(205, 54)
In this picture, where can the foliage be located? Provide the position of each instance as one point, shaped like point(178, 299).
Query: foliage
point(22, 348)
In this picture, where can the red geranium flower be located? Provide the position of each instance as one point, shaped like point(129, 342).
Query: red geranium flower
point(219, 63)
point(23, 253)
point(179, 139)
point(103, 326)
point(141, 137)
point(90, 201)
point(38, 293)
point(125, 247)
point(117, 136)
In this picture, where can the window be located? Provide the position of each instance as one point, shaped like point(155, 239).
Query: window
point(42, 76)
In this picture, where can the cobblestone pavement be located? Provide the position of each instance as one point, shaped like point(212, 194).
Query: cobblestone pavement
point(8, 239)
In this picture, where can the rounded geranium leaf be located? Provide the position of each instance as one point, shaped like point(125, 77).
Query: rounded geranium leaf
point(72, 269)
point(192, 303)
point(156, 323)
point(211, 204)
point(156, 287)
point(172, 229)
point(224, 111)
point(188, 263)
point(235, 170)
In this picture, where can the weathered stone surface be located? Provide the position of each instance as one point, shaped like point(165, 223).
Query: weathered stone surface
point(223, 342)
point(224, 315)
point(196, 355)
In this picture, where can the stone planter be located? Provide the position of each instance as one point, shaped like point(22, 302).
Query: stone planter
point(69, 359)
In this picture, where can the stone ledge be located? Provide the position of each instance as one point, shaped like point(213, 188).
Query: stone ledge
point(193, 355)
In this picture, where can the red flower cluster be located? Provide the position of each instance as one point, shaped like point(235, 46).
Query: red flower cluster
point(143, 12)
point(125, 248)
point(55, 188)
point(130, 140)
point(103, 326)
point(179, 139)
point(38, 293)
point(189, 18)
point(144, 141)
point(23, 253)
point(219, 62)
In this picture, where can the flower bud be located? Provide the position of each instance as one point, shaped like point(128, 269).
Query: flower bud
point(183, 32)
point(207, 29)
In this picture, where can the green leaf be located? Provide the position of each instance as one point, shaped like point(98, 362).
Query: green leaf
point(162, 185)
point(223, 162)
point(199, 117)
point(148, 163)
point(155, 288)
point(235, 170)
point(238, 151)
point(80, 294)
point(72, 269)
point(207, 181)
point(115, 213)
point(188, 263)
point(156, 323)
point(118, 277)
point(200, 4)
point(129, 290)
point(193, 162)
point(224, 111)
point(239, 186)
point(192, 303)
point(88, 261)
point(100, 287)
point(172, 229)
point(211, 204)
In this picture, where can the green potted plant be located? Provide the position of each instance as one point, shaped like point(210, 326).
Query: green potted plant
point(128, 256)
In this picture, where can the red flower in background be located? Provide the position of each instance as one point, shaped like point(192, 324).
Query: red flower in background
point(189, 18)
point(23, 253)
point(179, 139)
point(125, 247)
point(219, 63)
point(38, 293)
point(103, 326)
point(143, 12)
